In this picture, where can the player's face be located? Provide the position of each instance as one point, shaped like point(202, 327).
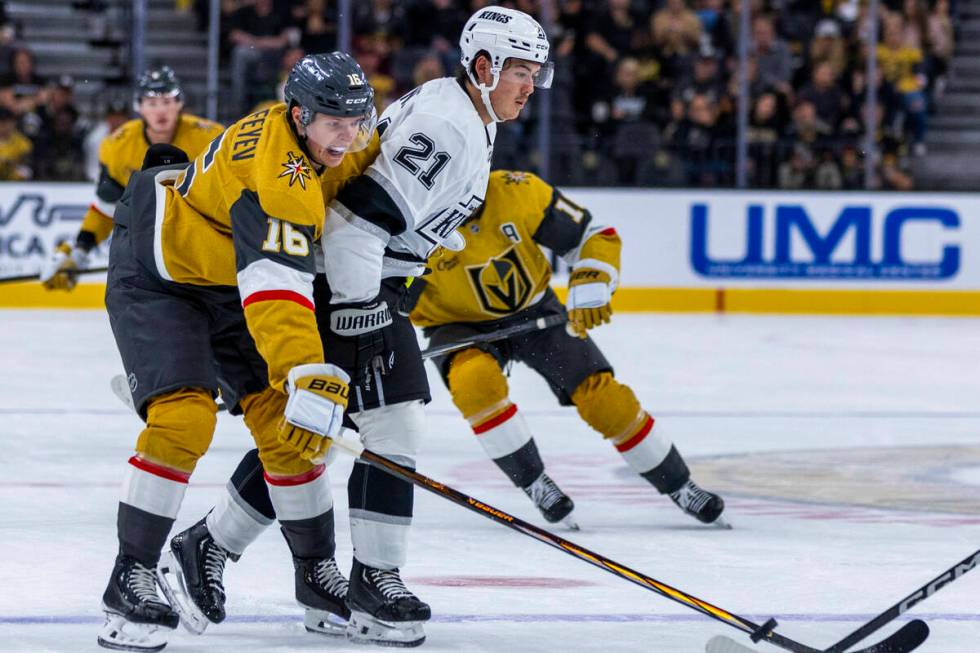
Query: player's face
point(160, 113)
point(329, 137)
point(514, 88)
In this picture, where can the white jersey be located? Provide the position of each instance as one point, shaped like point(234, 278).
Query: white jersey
point(430, 175)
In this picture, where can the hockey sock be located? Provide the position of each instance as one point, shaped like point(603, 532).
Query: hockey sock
point(245, 510)
point(152, 496)
point(304, 506)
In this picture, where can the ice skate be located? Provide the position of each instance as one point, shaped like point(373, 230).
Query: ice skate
point(190, 575)
point(383, 610)
point(555, 505)
point(322, 590)
point(137, 619)
point(704, 506)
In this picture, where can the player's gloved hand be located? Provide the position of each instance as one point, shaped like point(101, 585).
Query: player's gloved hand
point(60, 271)
point(367, 325)
point(315, 409)
point(589, 294)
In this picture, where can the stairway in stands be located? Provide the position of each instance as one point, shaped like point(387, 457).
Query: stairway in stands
point(90, 42)
point(953, 138)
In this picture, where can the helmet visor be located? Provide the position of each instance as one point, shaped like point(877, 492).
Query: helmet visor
point(521, 74)
point(365, 130)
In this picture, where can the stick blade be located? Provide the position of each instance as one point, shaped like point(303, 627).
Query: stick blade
point(907, 638)
point(722, 644)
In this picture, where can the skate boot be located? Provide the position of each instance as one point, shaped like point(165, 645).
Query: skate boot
point(322, 590)
point(137, 619)
point(704, 506)
point(190, 575)
point(554, 504)
point(383, 611)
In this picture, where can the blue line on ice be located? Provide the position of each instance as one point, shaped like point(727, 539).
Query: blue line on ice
point(520, 618)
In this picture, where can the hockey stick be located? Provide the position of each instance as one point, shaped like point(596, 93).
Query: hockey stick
point(906, 639)
point(722, 644)
point(35, 277)
point(120, 387)
point(525, 327)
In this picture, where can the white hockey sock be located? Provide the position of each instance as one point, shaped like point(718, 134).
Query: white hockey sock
point(647, 449)
point(301, 497)
point(234, 524)
point(502, 434)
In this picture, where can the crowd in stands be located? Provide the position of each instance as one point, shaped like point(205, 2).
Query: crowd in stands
point(645, 90)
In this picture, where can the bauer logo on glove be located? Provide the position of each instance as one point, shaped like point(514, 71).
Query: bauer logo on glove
point(315, 409)
point(589, 294)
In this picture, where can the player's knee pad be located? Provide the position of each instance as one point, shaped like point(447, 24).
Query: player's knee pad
point(609, 407)
point(262, 412)
point(394, 431)
point(478, 386)
point(179, 428)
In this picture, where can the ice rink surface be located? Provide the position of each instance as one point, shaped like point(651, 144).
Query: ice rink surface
point(848, 450)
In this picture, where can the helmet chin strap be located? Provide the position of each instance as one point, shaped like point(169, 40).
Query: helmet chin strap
point(485, 92)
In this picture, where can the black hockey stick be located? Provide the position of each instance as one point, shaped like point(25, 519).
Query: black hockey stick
point(525, 327)
point(900, 608)
point(906, 639)
point(35, 277)
point(120, 387)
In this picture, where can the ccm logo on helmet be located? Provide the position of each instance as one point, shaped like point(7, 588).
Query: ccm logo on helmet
point(494, 15)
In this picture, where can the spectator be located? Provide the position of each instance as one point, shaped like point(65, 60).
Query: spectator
point(901, 67)
point(825, 95)
point(774, 59)
point(258, 36)
point(677, 33)
point(615, 33)
point(851, 168)
point(369, 57)
point(807, 129)
point(766, 125)
point(714, 26)
point(428, 68)
point(694, 141)
point(318, 31)
point(939, 36)
point(797, 172)
point(704, 79)
point(828, 45)
point(15, 149)
point(116, 113)
point(22, 90)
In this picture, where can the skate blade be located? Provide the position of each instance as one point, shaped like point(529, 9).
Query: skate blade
point(721, 523)
point(323, 622)
point(121, 635)
point(171, 579)
point(570, 523)
point(365, 629)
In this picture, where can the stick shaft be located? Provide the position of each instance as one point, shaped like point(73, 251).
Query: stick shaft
point(906, 604)
point(568, 547)
point(35, 277)
point(525, 327)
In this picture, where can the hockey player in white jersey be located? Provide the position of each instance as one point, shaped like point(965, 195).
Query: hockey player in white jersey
point(430, 175)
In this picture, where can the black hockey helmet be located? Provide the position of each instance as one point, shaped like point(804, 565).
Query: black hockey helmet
point(157, 82)
point(333, 84)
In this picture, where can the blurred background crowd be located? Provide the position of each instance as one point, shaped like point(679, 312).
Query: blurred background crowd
point(645, 90)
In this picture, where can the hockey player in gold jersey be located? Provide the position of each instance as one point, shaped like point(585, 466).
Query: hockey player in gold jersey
point(159, 102)
point(211, 287)
point(501, 278)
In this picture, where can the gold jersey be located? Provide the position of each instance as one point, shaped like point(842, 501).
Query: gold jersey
point(502, 270)
point(121, 154)
point(15, 154)
point(247, 212)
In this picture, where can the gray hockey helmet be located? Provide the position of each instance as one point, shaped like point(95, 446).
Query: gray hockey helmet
point(157, 82)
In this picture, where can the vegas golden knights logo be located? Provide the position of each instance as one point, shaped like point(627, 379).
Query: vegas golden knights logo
point(502, 284)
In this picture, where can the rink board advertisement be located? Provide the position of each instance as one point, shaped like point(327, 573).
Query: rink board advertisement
point(682, 250)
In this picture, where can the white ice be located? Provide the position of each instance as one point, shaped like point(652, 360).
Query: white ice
point(848, 450)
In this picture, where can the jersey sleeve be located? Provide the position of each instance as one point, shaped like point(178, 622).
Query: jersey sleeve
point(418, 172)
point(568, 229)
point(275, 269)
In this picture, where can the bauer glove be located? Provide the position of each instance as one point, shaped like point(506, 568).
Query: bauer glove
point(315, 409)
point(60, 272)
point(589, 295)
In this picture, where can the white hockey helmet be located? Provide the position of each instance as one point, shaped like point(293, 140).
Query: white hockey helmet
point(504, 34)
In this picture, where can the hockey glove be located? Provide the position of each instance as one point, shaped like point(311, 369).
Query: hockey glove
point(366, 328)
point(60, 272)
point(315, 409)
point(588, 305)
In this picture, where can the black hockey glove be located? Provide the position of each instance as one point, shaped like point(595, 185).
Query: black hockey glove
point(366, 330)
